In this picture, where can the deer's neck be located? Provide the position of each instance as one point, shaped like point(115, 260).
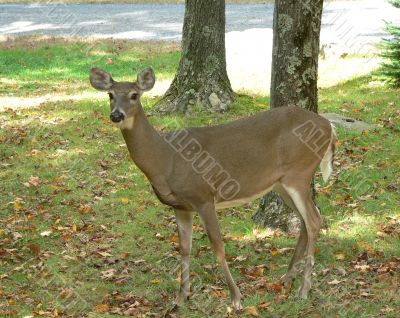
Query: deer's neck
point(147, 148)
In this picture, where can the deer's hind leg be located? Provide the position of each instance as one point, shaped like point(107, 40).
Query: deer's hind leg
point(301, 245)
point(301, 197)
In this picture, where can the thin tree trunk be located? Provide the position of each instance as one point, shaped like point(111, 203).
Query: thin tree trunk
point(297, 26)
point(201, 79)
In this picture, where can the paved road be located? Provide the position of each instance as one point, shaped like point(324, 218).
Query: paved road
point(347, 27)
point(359, 19)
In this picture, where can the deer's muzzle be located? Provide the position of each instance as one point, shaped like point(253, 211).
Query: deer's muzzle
point(116, 117)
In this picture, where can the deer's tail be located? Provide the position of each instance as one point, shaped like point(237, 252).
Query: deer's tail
point(326, 164)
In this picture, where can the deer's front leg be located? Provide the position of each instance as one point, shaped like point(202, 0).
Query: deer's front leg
point(211, 225)
point(184, 219)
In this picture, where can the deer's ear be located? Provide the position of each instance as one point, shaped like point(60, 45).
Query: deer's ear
point(146, 79)
point(100, 79)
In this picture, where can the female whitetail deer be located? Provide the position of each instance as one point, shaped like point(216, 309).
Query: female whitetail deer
point(201, 169)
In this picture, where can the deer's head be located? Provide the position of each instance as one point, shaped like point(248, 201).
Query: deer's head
point(124, 96)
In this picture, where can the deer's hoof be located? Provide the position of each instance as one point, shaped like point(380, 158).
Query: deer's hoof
point(236, 301)
point(236, 305)
point(303, 291)
point(180, 299)
point(287, 281)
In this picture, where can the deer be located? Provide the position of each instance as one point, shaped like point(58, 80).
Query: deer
point(202, 169)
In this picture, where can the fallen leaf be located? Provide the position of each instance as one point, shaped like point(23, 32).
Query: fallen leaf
point(334, 282)
point(264, 305)
point(139, 262)
point(104, 254)
point(32, 182)
point(340, 256)
point(102, 308)
point(108, 274)
point(16, 235)
point(274, 252)
point(35, 249)
point(17, 205)
point(174, 238)
point(125, 200)
point(84, 209)
point(240, 258)
point(46, 233)
point(341, 271)
point(251, 311)
point(254, 272)
point(132, 312)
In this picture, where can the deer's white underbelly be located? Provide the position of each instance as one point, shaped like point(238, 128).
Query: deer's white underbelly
point(241, 201)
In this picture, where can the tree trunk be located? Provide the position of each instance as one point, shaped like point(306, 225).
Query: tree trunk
point(297, 26)
point(201, 79)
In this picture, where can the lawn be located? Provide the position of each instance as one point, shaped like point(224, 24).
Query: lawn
point(82, 234)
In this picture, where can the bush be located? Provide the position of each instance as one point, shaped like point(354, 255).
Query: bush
point(391, 52)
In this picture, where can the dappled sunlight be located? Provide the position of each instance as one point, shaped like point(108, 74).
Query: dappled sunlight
point(336, 70)
point(246, 73)
point(352, 225)
point(27, 102)
point(249, 64)
point(46, 75)
point(62, 71)
point(73, 197)
point(255, 234)
point(15, 102)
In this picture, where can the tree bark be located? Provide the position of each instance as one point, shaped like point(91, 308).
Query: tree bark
point(201, 79)
point(297, 26)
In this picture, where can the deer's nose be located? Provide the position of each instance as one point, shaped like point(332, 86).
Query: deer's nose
point(116, 117)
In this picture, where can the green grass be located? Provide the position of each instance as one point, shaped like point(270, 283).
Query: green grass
point(56, 67)
point(113, 246)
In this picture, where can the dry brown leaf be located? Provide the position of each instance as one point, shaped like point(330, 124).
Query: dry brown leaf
point(16, 235)
point(264, 305)
point(334, 282)
point(108, 274)
point(104, 254)
point(240, 258)
point(251, 311)
point(34, 248)
point(46, 233)
point(340, 256)
point(32, 182)
point(17, 204)
point(101, 308)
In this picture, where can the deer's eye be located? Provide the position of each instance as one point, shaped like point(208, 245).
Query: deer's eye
point(111, 96)
point(134, 96)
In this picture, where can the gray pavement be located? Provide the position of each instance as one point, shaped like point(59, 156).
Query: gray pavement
point(363, 20)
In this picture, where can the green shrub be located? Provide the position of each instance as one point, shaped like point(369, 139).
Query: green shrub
point(391, 52)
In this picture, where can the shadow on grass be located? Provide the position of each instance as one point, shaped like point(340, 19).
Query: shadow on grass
point(51, 59)
point(103, 216)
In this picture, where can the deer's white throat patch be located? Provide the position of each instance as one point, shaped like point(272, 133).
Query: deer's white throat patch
point(125, 124)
